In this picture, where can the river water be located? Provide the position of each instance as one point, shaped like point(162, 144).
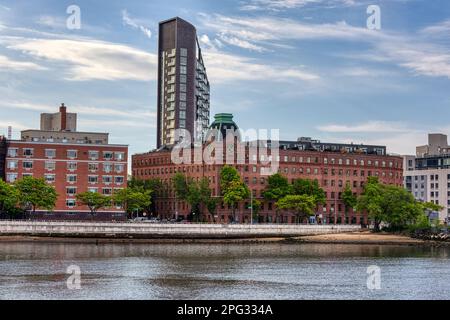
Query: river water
point(200, 271)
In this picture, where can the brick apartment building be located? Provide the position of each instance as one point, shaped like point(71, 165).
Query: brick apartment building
point(71, 161)
point(332, 165)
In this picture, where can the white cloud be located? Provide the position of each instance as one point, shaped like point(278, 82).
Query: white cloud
point(367, 127)
point(225, 67)
point(280, 5)
point(50, 21)
point(86, 59)
point(9, 64)
point(128, 21)
point(440, 29)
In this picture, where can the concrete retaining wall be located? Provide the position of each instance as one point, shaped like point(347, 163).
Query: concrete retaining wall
point(167, 231)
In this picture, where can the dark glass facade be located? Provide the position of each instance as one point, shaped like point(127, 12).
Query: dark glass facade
point(183, 86)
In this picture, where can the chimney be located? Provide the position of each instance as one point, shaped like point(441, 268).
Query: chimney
point(63, 111)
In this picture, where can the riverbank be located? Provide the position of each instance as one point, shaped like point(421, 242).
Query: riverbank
point(352, 238)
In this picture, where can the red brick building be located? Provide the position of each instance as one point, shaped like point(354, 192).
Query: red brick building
point(73, 162)
point(332, 169)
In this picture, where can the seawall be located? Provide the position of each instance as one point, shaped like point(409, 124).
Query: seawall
point(165, 231)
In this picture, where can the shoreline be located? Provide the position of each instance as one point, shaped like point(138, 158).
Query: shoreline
point(353, 238)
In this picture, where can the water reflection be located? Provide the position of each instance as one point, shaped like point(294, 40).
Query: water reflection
point(199, 271)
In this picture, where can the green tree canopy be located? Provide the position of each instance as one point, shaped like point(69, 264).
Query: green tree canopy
point(9, 197)
point(36, 193)
point(133, 199)
point(310, 188)
point(348, 198)
point(233, 189)
point(303, 205)
point(94, 201)
point(277, 187)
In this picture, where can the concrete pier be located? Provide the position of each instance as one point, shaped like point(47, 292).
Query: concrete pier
point(165, 231)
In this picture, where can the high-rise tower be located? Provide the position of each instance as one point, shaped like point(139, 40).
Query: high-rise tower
point(183, 86)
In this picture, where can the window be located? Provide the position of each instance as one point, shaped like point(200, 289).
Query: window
point(71, 166)
point(119, 168)
point(183, 70)
point(182, 87)
point(183, 52)
point(182, 114)
point(182, 96)
point(107, 191)
point(49, 178)
point(27, 152)
point(183, 61)
point(120, 156)
point(107, 167)
point(118, 180)
point(183, 79)
point(93, 155)
point(50, 165)
point(71, 203)
point(12, 164)
point(182, 105)
point(71, 191)
point(182, 123)
point(50, 153)
point(108, 155)
point(93, 190)
point(71, 178)
point(11, 177)
point(72, 154)
point(27, 164)
point(12, 152)
point(93, 179)
point(107, 179)
point(93, 167)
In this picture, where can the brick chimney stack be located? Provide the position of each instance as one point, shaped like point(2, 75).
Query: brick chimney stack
point(63, 111)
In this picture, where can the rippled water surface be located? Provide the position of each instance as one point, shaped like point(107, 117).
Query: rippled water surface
point(199, 271)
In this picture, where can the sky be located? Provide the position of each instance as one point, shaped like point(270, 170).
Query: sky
point(310, 68)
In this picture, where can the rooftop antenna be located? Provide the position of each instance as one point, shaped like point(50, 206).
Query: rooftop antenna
point(9, 132)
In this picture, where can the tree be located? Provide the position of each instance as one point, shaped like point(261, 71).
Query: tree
point(277, 187)
point(256, 206)
point(310, 188)
point(393, 205)
point(211, 205)
point(94, 201)
point(154, 185)
point(303, 205)
point(348, 198)
point(133, 199)
point(36, 193)
point(9, 197)
point(196, 194)
point(233, 189)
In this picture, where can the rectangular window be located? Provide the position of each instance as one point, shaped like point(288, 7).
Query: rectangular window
point(71, 203)
point(182, 87)
point(27, 152)
point(50, 165)
point(107, 179)
point(72, 154)
point(182, 105)
point(118, 180)
point(12, 164)
point(183, 79)
point(107, 167)
point(93, 155)
point(183, 61)
point(182, 123)
point(71, 191)
point(182, 96)
point(50, 153)
point(93, 167)
point(27, 164)
point(93, 190)
point(93, 179)
point(71, 166)
point(71, 178)
point(119, 168)
point(183, 52)
point(107, 191)
point(108, 155)
point(11, 177)
point(120, 156)
point(183, 70)
point(49, 178)
point(12, 152)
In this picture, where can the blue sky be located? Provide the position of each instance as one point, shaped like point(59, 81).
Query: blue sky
point(306, 67)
